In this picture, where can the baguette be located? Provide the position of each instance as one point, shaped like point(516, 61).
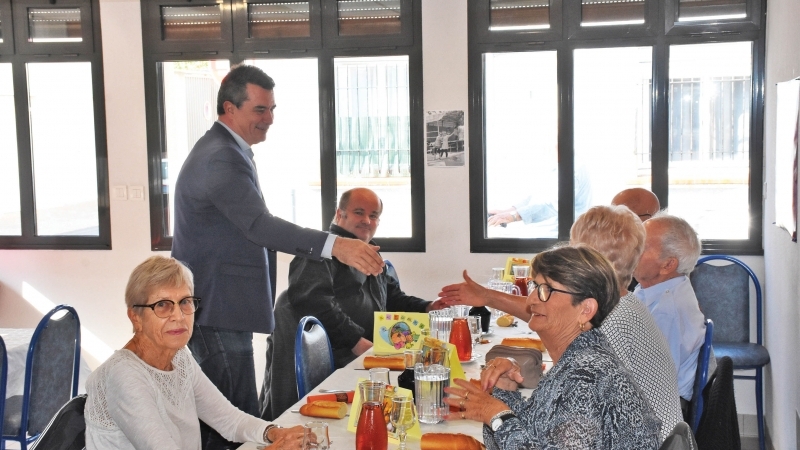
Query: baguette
point(527, 342)
point(449, 441)
point(328, 410)
point(346, 397)
point(395, 362)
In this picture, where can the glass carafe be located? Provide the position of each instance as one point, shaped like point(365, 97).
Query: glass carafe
point(371, 431)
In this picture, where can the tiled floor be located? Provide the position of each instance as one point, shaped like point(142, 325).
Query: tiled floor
point(751, 443)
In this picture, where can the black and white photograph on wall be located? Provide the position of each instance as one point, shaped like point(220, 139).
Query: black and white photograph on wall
point(444, 138)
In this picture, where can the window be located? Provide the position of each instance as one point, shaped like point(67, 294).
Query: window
point(349, 104)
point(567, 113)
point(53, 176)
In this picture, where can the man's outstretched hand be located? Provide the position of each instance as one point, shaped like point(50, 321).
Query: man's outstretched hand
point(358, 254)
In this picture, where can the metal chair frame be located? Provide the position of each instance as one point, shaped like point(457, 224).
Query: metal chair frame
point(3, 381)
point(21, 437)
point(701, 377)
point(299, 365)
point(758, 377)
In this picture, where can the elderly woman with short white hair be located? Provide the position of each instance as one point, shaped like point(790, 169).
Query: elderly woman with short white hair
point(150, 394)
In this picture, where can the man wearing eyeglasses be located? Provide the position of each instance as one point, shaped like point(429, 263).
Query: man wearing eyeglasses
point(671, 251)
point(225, 233)
point(343, 299)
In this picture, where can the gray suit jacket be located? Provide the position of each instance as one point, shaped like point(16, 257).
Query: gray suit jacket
point(223, 230)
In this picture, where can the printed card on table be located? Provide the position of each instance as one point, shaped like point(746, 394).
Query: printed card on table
point(398, 331)
point(355, 410)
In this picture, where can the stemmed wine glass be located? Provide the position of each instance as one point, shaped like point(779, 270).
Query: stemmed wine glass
point(403, 417)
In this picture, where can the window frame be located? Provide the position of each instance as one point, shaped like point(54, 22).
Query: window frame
point(325, 54)
point(660, 42)
point(7, 46)
point(91, 52)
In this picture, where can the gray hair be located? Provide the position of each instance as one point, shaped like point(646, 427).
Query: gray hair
point(156, 272)
point(680, 241)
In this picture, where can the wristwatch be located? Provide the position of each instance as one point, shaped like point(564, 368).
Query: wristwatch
point(267, 430)
point(499, 418)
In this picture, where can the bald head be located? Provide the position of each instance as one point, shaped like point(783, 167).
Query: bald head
point(359, 212)
point(642, 202)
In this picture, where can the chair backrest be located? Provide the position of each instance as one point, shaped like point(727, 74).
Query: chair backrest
point(51, 370)
point(701, 376)
point(723, 293)
point(3, 381)
point(67, 429)
point(719, 425)
point(313, 356)
point(391, 271)
point(681, 438)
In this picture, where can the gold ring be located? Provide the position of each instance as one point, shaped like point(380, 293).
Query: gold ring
point(466, 396)
point(461, 404)
point(462, 416)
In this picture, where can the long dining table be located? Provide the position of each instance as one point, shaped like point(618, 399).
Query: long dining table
point(345, 379)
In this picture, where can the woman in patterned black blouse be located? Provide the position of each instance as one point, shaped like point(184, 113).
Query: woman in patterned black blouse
point(588, 400)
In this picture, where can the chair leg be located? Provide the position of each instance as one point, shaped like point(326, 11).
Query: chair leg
point(760, 409)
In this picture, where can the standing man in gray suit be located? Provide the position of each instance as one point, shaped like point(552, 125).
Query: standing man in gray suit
point(226, 235)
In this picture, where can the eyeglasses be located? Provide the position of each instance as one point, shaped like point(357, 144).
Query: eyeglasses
point(544, 290)
point(164, 308)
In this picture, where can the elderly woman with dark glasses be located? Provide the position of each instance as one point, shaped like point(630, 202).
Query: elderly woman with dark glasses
point(150, 394)
point(588, 398)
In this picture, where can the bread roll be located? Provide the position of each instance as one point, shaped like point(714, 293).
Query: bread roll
point(449, 441)
point(506, 320)
point(328, 410)
point(394, 362)
point(527, 342)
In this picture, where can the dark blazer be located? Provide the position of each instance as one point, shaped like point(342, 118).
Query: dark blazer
point(223, 230)
point(344, 300)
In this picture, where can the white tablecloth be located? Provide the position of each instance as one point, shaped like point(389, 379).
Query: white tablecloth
point(346, 377)
point(17, 341)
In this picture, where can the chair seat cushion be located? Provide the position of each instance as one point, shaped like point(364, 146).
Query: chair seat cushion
point(743, 354)
point(12, 419)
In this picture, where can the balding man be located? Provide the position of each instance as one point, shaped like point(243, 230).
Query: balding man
point(342, 298)
point(642, 202)
point(671, 251)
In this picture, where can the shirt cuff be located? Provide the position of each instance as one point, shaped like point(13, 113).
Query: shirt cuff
point(327, 249)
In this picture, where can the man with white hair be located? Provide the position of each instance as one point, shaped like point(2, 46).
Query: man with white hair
point(671, 251)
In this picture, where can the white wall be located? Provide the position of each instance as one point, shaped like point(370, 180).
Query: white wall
point(780, 254)
point(94, 281)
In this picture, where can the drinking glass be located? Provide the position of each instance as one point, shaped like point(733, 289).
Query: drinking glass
point(461, 310)
point(475, 329)
point(403, 417)
point(315, 436)
point(379, 374)
point(498, 273)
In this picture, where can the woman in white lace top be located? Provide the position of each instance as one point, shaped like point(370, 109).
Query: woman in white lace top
point(150, 394)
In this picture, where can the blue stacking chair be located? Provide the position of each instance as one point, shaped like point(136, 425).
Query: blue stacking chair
point(3, 380)
point(313, 355)
point(390, 270)
point(723, 292)
point(51, 376)
point(701, 377)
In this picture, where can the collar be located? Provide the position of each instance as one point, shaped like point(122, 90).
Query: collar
point(339, 231)
point(241, 142)
point(655, 291)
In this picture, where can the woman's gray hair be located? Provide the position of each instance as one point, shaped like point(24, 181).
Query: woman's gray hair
point(156, 272)
point(614, 231)
point(679, 241)
point(582, 269)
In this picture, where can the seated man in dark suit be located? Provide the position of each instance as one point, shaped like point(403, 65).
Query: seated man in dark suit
point(343, 299)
